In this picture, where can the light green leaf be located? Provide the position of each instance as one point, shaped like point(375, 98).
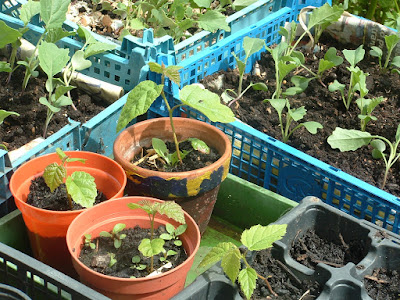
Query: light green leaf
point(146, 208)
point(324, 15)
point(55, 34)
point(117, 243)
point(7, 34)
point(97, 48)
point(172, 210)
point(180, 229)
point(105, 234)
point(150, 248)
point(324, 65)
point(136, 259)
point(300, 84)
point(379, 147)
point(247, 280)
point(240, 4)
point(136, 24)
point(226, 97)
point(139, 101)
point(312, 126)
point(207, 103)
point(199, 145)
point(161, 148)
point(213, 20)
point(262, 237)
point(285, 68)
point(278, 104)
point(240, 65)
point(79, 62)
point(298, 113)
point(252, 45)
point(331, 56)
point(348, 139)
point(62, 101)
point(178, 243)
point(54, 175)
point(259, 86)
point(52, 59)
point(171, 252)
point(28, 10)
point(85, 34)
point(354, 56)
point(43, 100)
point(216, 253)
point(4, 114)
point(82, 188)
point(5, 67)
point(203, 3)
point(53, 12)
point(391, 41)
point(119, 227)
point(335, 86)
point(165, 236)
point(298, 57)
point(172, 72)
point(155, 67)
point(61, 153)
point(398, 133)
point(230, 263)
point(375, 51)
point(170, 228)
point(62, 89)
point(396, 61)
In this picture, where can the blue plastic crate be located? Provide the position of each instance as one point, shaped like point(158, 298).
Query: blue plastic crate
point(67, 138)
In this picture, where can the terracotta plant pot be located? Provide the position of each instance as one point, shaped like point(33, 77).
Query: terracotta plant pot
point(47, 228)
point(103, 217)
point(196, 191)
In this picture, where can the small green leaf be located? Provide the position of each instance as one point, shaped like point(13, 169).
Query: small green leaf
point(79, 62)
point(4, 114)
point(226, 97)
point(348, 139)
point(216, 253)
point(335, 86)
point(166, 236)
point(324, 15)
point(391, 41)
point(172, 72)
point(199, 145)
point(55, 34)
point(5, 67)
point(54, 175)
point(324, 65)
point(212, 21)
point(118, 227)
point(178, 243)
point(396, 61)
point(171, 253)
point(262, 237)
point(138, 102)
point(230, 263)
point(117, 243)
point(52, 59)
point(141, 267)
point(252, 45)
point(277, 104)
point(105, 234)
point(285, 68)
point(240, 64)
point(331, 56)
point(398, 133)
point(259, 86)
point(298, 113)
point(155, 67)
point(136, 259)
point(378, 145)
point(375, 51)
point(62, 89)
point(354, 56)
point(172, 210)
point(53, 12)
point(136, 24)
point(312, 126)
point(8, 35)
point(298, 57)
point(203, 3)
point(82, 188)
point(170, 228)
point(161, 148)
point(247, 280)
point(239, 4)
point(207, 103)
point(180, 229)
point(54, 109)
point(150, 248)
point(28, 10)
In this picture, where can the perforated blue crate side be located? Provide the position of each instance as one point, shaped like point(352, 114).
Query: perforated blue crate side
point(40, 281)
point(125, 66)
point(99, 133)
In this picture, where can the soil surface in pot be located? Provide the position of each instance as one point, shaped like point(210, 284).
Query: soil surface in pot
point(283, 282)
point(99, 259)
point(17, 131)
point(310, 249)
point(40, 196)
point(324, 107)
point(192, 161)
point(383, 284)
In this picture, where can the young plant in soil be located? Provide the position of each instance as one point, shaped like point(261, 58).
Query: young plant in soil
point(351, 140)
point(81, 187)
point(390, 41)
point(4, 114)
point(154, 246)
point(145, 93)
point(115, 234)
point(254, 239)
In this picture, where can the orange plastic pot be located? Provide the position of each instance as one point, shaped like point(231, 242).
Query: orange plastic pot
point(46, 228)
point(103, 217)
point(196, 191)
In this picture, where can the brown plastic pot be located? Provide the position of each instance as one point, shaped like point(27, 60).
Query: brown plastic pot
point(196, 191)
point(103, 217)
point(47, 228)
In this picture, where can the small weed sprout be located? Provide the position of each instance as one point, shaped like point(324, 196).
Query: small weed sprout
point(113, 260)
point(366, 107)
point(88, 242)
point(81, 187)
point(351, 140)
point(174, 233)
point(254, 239)
point(166, 254)
point(115, 234)
point(154, 246)
point(136, 263)
point(391, 41)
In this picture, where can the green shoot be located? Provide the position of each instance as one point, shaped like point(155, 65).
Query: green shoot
point(113, 260)
point(174, 233)
point(88, 242)
point(115, 234)
point(366, 107)
point(136, 263)
point(391, 41)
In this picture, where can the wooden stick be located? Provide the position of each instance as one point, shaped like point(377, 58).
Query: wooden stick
point(376, 279)
point(327, 263)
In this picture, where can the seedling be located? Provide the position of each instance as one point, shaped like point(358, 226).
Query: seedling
point(81, 187)
point(173, 234)
point(367, 106)
point(292, 115)
point(4, 114)
point(88, 242)
point(115, 234)
point(254, 239)
point(250, 46)
point(391, 41)
point(113, 260)
point(136, 263)
point(154, 246)
point(145, 93)
point(357, 77)
point(351, 140)
point(166, 254)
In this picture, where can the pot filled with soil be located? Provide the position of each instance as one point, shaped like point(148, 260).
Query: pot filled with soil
point(50, 202)
point(147, 260)
point(197, 159)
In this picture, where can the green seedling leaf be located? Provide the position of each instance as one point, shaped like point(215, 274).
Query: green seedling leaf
point(226, 97)
point(117, 243)
point(298, 113)
point(83, 33)
point(54, 175)
point(216, 254)
point(379, 147)
point(8, 35)
point(161, 148)
point(278, 51)
point(396, 61)
point(28, 10)
point(178, 243)
point(5, 67)
point(138, 102)
point(4, 114)
point(300, 85)
point(298, 57)
point(150, 248)
point(118, 227)
point(136, 259)
point(230, 263)
point(62, 89)
point(324, 65)
point(82, 188)
point(348, 139)
point(52, 59)
point(170, 228)
point(105, 234)
point(247, 280)
point(259, 86)
point(61, 154)
point(171, 253)
point(252, 45)
point(239, 4)
point(398, 133)
point(180, 229)
point(155, 67)
point(113, 261)
point(97, 48)
point(240, 64)
point(207, 103)
point(203, 3)
point(330, 55)
point(285, 68)
point(262, 237)
point(391, 41)
point(277, 104)
point(324, 16)
point(172, 72)
point(138, 206)
point(136, 24)
point(166, 236)
point(354, 56)
point(336, 86)
point(212, 21)
point(375, 51)
point(79, 62)
point(53, 12)
point(199, 145)
point(312, 126)
point(61, 101)
point(172, 210)
point(55, 34)
point(54, 109)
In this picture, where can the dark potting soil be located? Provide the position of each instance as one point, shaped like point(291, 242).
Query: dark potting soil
point(17, 131)
point(328, 109)
point(99, 258)
point(383, 284)
point(283, 282)
point(193, 161)
point(41, 196)
point(310, 249)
